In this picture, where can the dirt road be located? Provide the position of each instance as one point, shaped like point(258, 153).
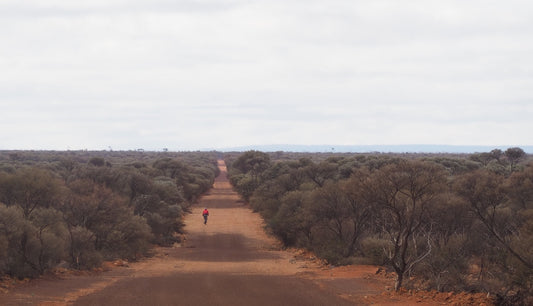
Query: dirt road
point(229, 261)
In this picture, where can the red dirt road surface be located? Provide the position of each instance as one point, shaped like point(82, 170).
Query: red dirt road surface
point(229, 261)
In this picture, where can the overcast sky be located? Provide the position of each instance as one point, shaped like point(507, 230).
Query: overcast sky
point(188, 75)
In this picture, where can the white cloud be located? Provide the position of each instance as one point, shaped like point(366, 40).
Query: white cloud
point(196, 74)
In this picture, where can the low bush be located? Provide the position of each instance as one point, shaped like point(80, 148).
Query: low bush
point(82, 208)
point(450, 222)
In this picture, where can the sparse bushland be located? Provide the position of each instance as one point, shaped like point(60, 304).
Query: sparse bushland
point(81, 208)
point(449, 223)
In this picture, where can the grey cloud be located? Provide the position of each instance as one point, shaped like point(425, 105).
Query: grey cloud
point(110, 7)
point(264, 71)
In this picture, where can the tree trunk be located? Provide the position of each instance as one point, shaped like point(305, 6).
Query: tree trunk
point(399, 281)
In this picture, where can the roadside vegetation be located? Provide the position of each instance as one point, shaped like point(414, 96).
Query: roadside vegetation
point(439, 222)
point(76, 209)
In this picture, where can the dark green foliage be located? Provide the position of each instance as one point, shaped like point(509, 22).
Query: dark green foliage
point(514, 155)
point(82, 253)
point(30, 246)
point(290, 222)
point(86, 207)
point(245, 172)
point(29, 188)
point(373, 247)
point(449, 222)
point(97, 161)
point(253, 162)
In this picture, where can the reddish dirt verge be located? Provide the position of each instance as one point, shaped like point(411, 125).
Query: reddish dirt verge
point(229, 261)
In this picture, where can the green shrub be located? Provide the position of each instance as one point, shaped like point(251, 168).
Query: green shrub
point(374, 250)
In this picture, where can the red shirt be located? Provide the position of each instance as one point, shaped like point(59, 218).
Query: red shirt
point(206, 212)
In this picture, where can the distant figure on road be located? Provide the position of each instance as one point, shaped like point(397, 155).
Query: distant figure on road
point(205, 214)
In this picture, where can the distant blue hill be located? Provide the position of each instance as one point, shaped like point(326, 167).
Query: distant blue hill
point(374, 148)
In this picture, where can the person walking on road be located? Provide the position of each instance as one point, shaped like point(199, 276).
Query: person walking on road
point(205, 214)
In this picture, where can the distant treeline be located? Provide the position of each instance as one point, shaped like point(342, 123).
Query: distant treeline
point(444, 222)
point(79, 208)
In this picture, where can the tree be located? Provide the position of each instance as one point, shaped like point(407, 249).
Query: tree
point(446, 268)
point(497, 154)
point(253, 163)
point(290, 221)
point(246, 170)
point(12, 232)
point(331, 210)
point(485, 193)
point(49, 233)
point(519, 188)
point(164, 219)
point(81, 249)
point(107, 217)
point(97, 161)
point(402, 193)
point(29, 189)
point(483, 158)
point(360, 211)
point(321, 173)
point(514, 155)
point(505, 228)
point(341, 209)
